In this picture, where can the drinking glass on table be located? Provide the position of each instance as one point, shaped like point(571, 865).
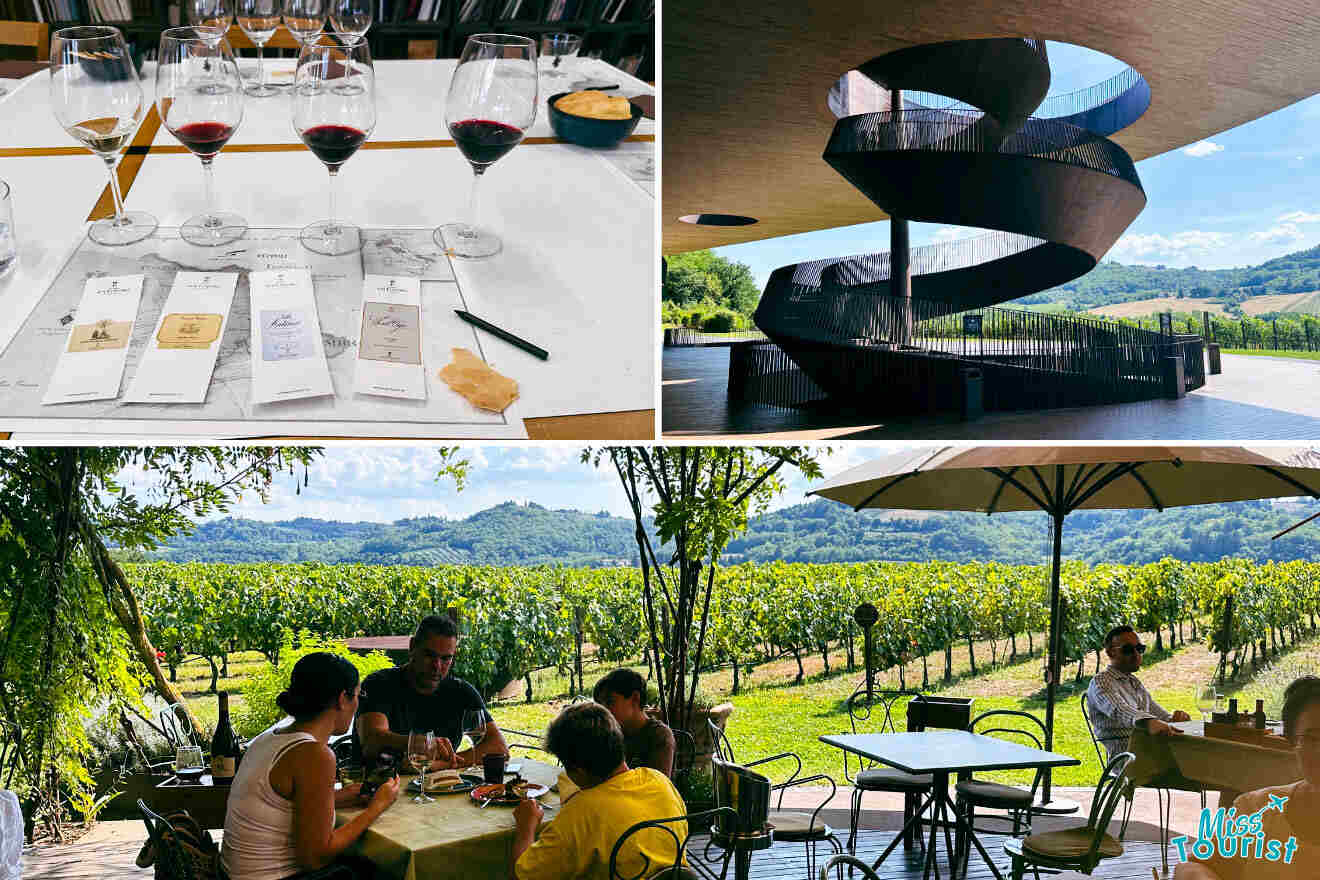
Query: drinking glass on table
point(97, 98)
point(334, 111)
point(199, 94)
point(491, 104)
point(188, 763)
point(474, 726)
point(557, 47)
point(217, 14)
point(421, 745)
point(8, 243)
point(1206, 697)
point(304, 18)
point(351, 16)
point(259, 19)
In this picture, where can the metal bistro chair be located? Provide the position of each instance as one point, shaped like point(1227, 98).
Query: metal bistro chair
point(1015, 801)
point(171, 858)
point(873, 777)
point(1081, 847)
point(1163, 793)
point(677, 868)
point(789, 825)
point(533, 743)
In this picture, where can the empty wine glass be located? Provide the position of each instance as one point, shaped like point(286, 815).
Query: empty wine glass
point(474, 726)
point(334, 111)
point(421, 744)
point(210, 14)
point(1206, 698)
point(491, 104)
point(304, 18)
point(199, 94)
point(558, 47)
point(97, 98)
point(259, 19)
point(351, 16)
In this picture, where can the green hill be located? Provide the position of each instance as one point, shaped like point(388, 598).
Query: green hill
point(1112, 282)
point(817, 531)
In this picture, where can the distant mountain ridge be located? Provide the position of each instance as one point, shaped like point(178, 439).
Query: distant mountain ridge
point(1111, 282)
point(816, 531)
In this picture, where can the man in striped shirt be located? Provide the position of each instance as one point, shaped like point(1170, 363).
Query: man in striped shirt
point(1119, 702)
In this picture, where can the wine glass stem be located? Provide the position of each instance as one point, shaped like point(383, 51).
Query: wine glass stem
point(261, 66)
point(120, 219)
point(473, 203)
point(208, 177)
point(332, 228)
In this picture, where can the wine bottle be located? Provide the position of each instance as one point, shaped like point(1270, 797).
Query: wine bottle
point(225, 753)
point(1259, 716)
point(1232, 711)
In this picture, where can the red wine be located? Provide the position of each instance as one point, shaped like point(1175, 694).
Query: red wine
point(225, 751)
point(483, 141)
point(204, 138)
point(333, 144)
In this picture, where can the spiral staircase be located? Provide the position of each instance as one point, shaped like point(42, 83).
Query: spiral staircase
point(974, 142)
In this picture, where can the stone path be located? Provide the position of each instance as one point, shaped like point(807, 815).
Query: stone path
point(1254, 399)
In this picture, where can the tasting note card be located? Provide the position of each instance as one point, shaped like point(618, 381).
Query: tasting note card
point(92, 363)
point(181, 353)
point(288, 355)
point(389, 359)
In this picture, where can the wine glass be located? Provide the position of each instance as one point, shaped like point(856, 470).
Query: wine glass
point(474, 726)
point(559, 47)
point(420, 747)
point(188, 763)
point(1206, 698)
point(97, 98)
point(199, 94)
point(334, 111)
point(210, 14)
point(258, 19)
point(491, 104)
point(351, 16)
point(304, 18)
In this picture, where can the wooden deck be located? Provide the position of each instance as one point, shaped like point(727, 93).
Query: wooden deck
point(108, 853)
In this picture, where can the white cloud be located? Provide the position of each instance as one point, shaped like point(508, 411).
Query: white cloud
point(1287, 228)
point(1203, 148)
point(1154, 246)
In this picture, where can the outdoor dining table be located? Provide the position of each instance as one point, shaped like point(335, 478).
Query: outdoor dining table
point(941, 753)
point(450, 837)
point(1197, 761)
point(575, 276)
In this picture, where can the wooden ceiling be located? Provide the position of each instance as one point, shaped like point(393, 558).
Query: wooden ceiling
point(745, 84)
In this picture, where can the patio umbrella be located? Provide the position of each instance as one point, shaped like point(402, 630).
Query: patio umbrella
point(1059, 480)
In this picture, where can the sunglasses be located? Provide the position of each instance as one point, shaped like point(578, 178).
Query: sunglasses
point(1131, 649)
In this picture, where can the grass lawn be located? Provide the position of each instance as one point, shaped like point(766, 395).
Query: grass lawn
point(773, 714)
point(1299, 355)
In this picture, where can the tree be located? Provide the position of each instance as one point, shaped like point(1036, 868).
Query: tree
point(702, 276)
point(73, 633)
point(700, 498)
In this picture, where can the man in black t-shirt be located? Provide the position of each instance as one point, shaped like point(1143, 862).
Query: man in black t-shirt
point(422, 695)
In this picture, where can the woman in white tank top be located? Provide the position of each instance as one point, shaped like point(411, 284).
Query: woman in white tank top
point(281, 814)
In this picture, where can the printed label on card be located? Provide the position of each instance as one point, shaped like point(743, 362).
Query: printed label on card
point(391, 333)
point(194, 332)
point(287, 333)
point(389, 356)
point(92, 363)
point(181, 355)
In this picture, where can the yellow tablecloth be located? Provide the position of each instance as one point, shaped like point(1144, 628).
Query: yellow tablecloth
point(1218, 764)
point(451, 837)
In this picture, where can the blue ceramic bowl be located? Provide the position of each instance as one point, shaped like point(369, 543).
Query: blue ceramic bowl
point(587, 132)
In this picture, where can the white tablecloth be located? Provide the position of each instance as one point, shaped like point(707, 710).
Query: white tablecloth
point(576, 276)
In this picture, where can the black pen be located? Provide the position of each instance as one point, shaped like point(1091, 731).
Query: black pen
point(508, 337)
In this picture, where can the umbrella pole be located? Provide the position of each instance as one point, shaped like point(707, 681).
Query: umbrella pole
point(1052, 652)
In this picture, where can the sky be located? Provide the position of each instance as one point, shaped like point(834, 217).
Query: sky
point(1238, 198)
point(388, 483)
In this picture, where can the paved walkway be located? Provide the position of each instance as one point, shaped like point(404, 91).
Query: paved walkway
point(1255, 398)
point(108, 850)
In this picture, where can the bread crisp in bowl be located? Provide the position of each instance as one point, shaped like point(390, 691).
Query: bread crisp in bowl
point(595, 105)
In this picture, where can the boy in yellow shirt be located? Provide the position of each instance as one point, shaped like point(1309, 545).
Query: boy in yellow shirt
point(589, 743)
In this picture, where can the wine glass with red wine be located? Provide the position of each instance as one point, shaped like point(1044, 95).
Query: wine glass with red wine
point(334, 112)
point(491, 104)
point(97, 98)
point(199, 94)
